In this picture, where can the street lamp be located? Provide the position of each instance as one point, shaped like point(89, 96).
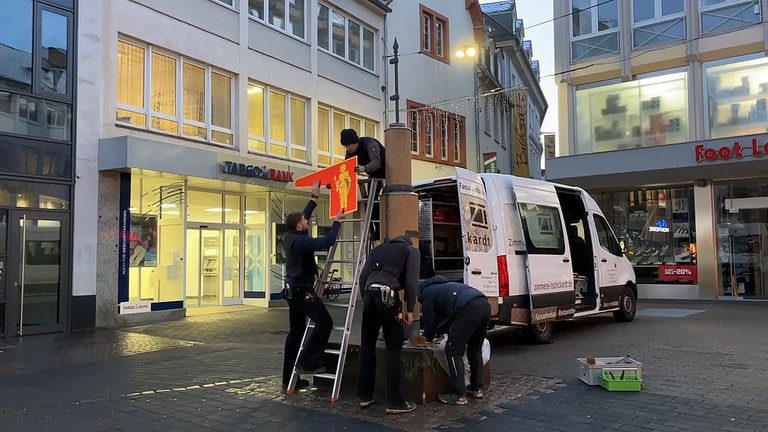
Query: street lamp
point(466, 51)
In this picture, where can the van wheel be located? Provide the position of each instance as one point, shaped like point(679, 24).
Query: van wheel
point(540, 333)
point(627, 306)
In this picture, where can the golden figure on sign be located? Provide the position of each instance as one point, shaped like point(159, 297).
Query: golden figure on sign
point(343, 184)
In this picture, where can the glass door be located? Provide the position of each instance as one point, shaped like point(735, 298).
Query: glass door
point(37, 272)
point(213, 271)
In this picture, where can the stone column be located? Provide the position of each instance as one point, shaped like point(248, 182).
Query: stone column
point(399, 203)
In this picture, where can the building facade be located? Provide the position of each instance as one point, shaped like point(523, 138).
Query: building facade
point(38, 87)
point(512, 103)
point(194, 123)
point(663, 119)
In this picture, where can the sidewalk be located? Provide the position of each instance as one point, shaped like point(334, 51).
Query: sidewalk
point(704, 365)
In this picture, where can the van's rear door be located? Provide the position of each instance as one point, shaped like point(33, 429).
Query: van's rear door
point(550, 276)
point(480, 269)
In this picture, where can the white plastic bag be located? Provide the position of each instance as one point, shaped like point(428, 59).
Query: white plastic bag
point(441, 358)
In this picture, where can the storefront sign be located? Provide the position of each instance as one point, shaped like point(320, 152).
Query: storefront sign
point(135, 307)
point(520, 136)
point(245, 170)
point(489, 163)
point(734, 151)
point(678, 273)
point(660, 226)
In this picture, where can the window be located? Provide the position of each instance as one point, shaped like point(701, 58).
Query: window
point(444, 137)
point(423, 121)
point(54, 52)
point(347, 38)
point(428, 136)
point(605, 236)
point(657, 22)
point(723, 15)
point(414, 119)
point(434, 34)
point(642, 113)
point(595, 26)
point(35, 117)
point(542, 229)
point(201, 110)
point(331, 121)
point(277, 123)
point(286, 15)
point(737, 93)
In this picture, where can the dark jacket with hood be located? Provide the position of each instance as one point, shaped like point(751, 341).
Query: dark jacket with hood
point(300, 247)
point(370, 154)
point(394, 263)
point(440, 301)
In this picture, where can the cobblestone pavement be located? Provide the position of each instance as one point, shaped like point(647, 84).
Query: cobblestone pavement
point(703, 363)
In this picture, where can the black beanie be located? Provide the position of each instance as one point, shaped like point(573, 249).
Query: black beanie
point(348, 136)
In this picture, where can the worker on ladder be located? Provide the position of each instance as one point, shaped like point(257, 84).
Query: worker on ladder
point(303, 302)
point(371, 160)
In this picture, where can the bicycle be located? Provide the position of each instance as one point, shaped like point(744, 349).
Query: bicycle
point(333, 287)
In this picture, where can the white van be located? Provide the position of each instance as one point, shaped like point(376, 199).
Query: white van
point(540, 251)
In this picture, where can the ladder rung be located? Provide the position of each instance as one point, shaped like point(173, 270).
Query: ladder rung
point(333, 351)
point(338, 305)
point(325, 375)
point(342, 261)
point(352, 220)
point(339, 328)
point(348, 240)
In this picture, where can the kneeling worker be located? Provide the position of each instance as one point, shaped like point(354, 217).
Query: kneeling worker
point(464, 313)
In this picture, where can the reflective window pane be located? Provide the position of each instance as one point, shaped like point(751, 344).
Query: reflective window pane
point(34, 195)
point(581, 17)
point(38, 158)
point(256, 8)
point(54, 52)
point(322, 27)
point(737, 95)
point(339, 28)
point(368, 50)
point(296, 18)
point(277, 13)
point(354, 42)
point(643, 10)
point(16, 45)
point(30, 116)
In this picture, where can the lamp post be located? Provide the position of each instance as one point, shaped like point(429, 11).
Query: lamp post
point(470, 51)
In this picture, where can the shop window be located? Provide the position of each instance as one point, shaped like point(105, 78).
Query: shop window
point(723, 15)
point(204, 207)
point(156, 240)
point(738, 96)
point(742, 237)
point(347, 38)
point(642, 113)
point(595, 25)
point(202, 110)
point(656, 230)
point(657, 21)
point(331, 122)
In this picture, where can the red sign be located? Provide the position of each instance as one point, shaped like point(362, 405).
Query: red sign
point(342, 180)
point(678, 273)
point(735, 151)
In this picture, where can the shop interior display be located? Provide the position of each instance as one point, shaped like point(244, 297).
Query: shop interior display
point(617, 127)
point(737, 106)
point(743, 248)
point(658, 229)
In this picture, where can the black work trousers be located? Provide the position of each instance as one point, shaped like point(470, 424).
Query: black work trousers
point(377, 316)
point(467, 332)
point(299, 309)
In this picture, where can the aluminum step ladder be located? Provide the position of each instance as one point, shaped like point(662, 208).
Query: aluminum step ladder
point(360, 236)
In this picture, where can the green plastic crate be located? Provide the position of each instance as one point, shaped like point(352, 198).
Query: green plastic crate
point(621, 379)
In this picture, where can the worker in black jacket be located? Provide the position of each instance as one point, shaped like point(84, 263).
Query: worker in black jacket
point(390, 267)
point(464, 313)
point(303, 302)
point(371, 161)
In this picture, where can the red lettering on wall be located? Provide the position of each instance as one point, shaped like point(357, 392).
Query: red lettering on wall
point(735, 151)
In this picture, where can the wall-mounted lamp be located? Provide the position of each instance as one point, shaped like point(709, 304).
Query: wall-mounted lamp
point(465, 51)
